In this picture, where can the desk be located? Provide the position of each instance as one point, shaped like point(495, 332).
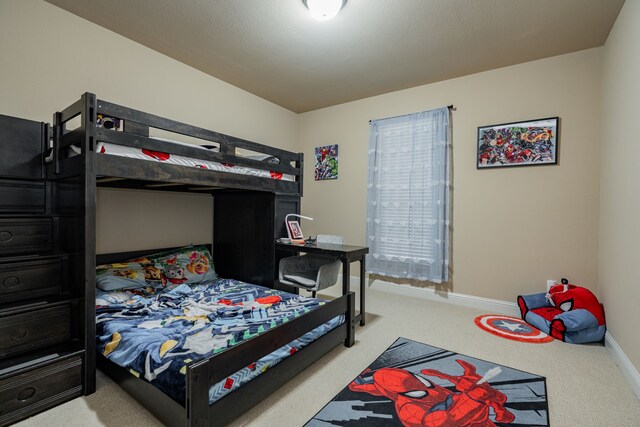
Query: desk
point(345, 253)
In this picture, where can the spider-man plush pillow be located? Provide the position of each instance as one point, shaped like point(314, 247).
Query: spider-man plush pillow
point(568, 312)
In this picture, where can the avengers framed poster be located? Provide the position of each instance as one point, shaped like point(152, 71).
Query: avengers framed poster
point(326, 166)
point(527, 143)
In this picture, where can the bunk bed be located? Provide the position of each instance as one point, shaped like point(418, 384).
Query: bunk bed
point(118, 171)
point(82, 158)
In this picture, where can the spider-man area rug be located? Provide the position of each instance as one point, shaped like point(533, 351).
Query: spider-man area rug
point(511, 328)
point(413, 384)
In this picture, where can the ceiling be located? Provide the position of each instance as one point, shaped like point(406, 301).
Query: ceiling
point(275, 50)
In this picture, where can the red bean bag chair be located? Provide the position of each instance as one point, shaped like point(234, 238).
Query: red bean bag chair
point(567, 312)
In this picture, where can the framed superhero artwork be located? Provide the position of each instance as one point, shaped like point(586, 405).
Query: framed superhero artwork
point(527, 143)
point(326, 166)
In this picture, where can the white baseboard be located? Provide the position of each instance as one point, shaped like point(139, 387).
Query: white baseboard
point(491, 306)
point(629, 372)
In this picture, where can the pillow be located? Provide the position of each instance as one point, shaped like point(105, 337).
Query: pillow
point(127, 275)
point(265, 158)
point(190, 264)
point(112, 298)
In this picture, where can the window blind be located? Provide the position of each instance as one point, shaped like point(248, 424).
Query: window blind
point(408, 196)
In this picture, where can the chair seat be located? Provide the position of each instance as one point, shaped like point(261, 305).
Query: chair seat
point(304, 278)
point(312, 272)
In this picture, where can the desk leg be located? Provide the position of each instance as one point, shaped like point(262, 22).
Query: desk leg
point(346, 275)
point(363, 286)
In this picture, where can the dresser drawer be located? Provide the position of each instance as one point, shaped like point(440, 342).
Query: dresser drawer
point(22, 196)
point(30, 279)
point(32, 235)
point(35, 329)
point(42, 388)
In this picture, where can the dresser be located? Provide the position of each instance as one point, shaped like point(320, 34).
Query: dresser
point(43, 338)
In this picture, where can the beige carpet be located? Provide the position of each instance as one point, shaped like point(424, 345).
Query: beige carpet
point(585, 387)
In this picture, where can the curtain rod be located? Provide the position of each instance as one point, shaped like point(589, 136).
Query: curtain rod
point(450, 107)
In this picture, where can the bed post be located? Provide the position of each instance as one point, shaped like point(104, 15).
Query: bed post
point(350, 319)
point(57, 134)
point(197, 394)
point(300, 165)
point(89, 106)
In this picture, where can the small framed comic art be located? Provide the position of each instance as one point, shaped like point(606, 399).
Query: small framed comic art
point(326, 162)
point(295, 230)
point(527, 143)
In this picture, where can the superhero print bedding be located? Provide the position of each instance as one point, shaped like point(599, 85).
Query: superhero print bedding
point(156, 332)
point(189, 264)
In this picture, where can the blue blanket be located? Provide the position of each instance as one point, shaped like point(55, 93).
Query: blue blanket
point(155, 334)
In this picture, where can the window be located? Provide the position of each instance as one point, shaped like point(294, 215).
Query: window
point(408, 196)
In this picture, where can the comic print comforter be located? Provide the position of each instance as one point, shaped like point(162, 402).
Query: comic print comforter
point(155, 334)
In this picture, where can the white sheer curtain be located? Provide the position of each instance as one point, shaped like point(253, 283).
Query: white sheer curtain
point(408, 196)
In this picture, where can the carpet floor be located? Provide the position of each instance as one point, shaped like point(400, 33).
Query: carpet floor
point(585, 388)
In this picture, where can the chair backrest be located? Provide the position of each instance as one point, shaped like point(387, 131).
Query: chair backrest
point(330, 238)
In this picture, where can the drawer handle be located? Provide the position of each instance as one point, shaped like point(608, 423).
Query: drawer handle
point(26, 394)
point(19, 335)
point(11, 282)
point(5, 236)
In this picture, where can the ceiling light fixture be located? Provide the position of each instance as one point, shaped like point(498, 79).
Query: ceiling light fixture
point(323, 10)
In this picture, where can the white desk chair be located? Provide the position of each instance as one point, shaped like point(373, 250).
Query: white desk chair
point(312, 272)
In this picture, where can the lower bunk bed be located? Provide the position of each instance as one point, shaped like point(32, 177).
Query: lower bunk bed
point(202, 353)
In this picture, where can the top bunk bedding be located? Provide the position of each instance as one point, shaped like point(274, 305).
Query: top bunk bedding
point(116, 144)
point(192, 162)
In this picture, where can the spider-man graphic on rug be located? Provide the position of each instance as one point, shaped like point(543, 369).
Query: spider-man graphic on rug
point(414, 385)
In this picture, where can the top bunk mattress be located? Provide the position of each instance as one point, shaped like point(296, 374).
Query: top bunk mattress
point(158, 156)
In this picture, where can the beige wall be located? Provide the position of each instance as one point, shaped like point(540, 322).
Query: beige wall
point(37, 78)
point(619, 269)
point(513, 228)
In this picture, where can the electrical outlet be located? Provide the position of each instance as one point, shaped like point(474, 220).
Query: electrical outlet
point(550, 283)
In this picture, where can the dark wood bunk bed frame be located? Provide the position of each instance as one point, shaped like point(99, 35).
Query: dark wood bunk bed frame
point(75, 180)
